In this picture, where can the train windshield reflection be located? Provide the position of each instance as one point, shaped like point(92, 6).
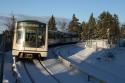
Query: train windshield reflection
point(31, 37)
point(34, 37)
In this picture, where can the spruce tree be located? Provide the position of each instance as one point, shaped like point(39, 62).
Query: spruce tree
point(122, 31)
point(117, 29)
point(84, 33)
point(108, 26)
point(105, 22)
point(92, 26)
point(74, 25)
point(52, 23)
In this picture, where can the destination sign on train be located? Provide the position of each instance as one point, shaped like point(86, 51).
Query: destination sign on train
point(29, 25)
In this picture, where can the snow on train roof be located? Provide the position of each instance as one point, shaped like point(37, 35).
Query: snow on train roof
point(32, 21)
point(68, 33)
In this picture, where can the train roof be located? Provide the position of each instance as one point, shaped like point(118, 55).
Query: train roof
point(65, 34)
point(32, 21)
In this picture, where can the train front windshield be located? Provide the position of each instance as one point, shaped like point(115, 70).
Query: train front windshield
point(31, 36)
point(34, 37)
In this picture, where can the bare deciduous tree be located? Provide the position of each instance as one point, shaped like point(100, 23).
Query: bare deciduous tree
point(63, 27)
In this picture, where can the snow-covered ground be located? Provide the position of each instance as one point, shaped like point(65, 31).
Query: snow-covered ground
point(105, 64)
point(62, 72)
point(102, 63)
point(36, 71)
point(7, 73)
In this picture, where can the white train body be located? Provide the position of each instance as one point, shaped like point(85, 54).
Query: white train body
point(32, 38)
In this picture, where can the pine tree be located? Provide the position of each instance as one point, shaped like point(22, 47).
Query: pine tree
point(84, 33)
point(92, 26)
point(52, 23)
point(122, 31)
point(108, 26)
point(105, 22)
point(117, 29)
point(74, 25)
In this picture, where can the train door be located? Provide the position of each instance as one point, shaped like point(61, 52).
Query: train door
point(41, 37)
point(30, 39)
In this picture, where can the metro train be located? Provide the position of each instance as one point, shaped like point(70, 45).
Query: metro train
point(32, 38)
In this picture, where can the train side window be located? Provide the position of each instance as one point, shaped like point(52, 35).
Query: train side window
point(50, 35)
point(55, 35)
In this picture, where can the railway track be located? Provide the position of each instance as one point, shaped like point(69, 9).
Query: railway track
point(48, 71)
point(28, 73)
point(22, 73)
